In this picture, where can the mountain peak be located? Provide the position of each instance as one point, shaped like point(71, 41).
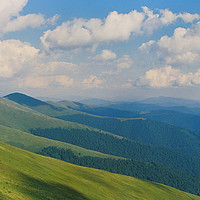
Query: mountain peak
point(24, 99)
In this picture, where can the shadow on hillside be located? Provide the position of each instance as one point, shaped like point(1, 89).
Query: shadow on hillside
point(39, 189)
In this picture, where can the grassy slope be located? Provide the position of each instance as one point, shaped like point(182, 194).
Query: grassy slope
point(184, 120)
point(13, 116)
point(167, 115)
point(35, 144)
point(24, 175)
point(23, 118)
point(159, 134)
point(145, 131)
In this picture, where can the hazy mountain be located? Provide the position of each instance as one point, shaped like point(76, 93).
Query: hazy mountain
point(171, 102)
point(94, 101)
point(160, 159)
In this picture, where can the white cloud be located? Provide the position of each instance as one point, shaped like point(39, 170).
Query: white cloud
point(82, 32)
point(11, 20)
point(63, 80)
point(124, 63)
point(181, 48)
point(167, 17)
point(53, 19)
point(44, 81)
point(55, 68)
point(168, 77)
point(146, 46)
point(188, 17)
point(154, 21)
point(15, 55)
point(116, 27)
point(27, 68)
point(32, 82)
point(105, 55)
point(22, 22)
point(92, 82)
point(10, 9)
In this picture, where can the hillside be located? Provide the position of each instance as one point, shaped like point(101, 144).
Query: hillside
point(84, 157)
point(149, 162)
point(90, 138)
point(35, 144)
point(24, 175)
point(184, 120)
point(184, 117)
point(144, 131)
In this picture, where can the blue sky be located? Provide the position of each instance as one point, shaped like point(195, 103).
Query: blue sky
point(104, 49)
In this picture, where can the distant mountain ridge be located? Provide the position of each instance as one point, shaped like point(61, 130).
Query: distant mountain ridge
point(24, 99)
point(89, 132)
point(171, 102)
point(94, 101)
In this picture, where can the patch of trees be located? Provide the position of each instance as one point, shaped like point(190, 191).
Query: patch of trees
point(109, 144)
point(146, 131)
point(146, 171)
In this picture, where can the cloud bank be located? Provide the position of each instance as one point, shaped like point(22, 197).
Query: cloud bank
point(168, 77)
point(181, 48)
point(116, 27)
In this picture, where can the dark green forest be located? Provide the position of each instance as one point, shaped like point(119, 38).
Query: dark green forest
point(147, 171)
point(145, 131)
point(122, 147)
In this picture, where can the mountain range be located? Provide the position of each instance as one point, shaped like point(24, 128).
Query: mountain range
point(145, 140)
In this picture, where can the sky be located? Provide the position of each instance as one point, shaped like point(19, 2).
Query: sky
point(109, 49)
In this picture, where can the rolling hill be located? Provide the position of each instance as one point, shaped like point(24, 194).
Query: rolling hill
point(164, 165)
point(84, 157)
point(24, 175)
point(35, 144)
point(87, 137)
point(144, 131)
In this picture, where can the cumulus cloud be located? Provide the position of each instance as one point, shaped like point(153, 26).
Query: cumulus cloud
point(168, 77)
point(14, 55)
point(154, 21)
point(22, 22)
point(53, 20)
point(92, 82)
point(182, 47)
point(115, 27)
point(63, 80)
point(55, 68)
point(11, 20)
point(82, 32)
point(188, 17)
point(32, 82)
point(27, 68)
point(44, 81)
point(124, 63)
point(105, 55)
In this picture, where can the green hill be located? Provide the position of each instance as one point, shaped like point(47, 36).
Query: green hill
point(168, 115)
point(184, 120)
point(144, 131)
point(35, 144)
point(24, 175)
point(165, 166)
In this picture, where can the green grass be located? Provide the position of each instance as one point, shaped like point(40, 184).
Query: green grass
point(24, 175)
point(35, 144)
point(23, 118)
